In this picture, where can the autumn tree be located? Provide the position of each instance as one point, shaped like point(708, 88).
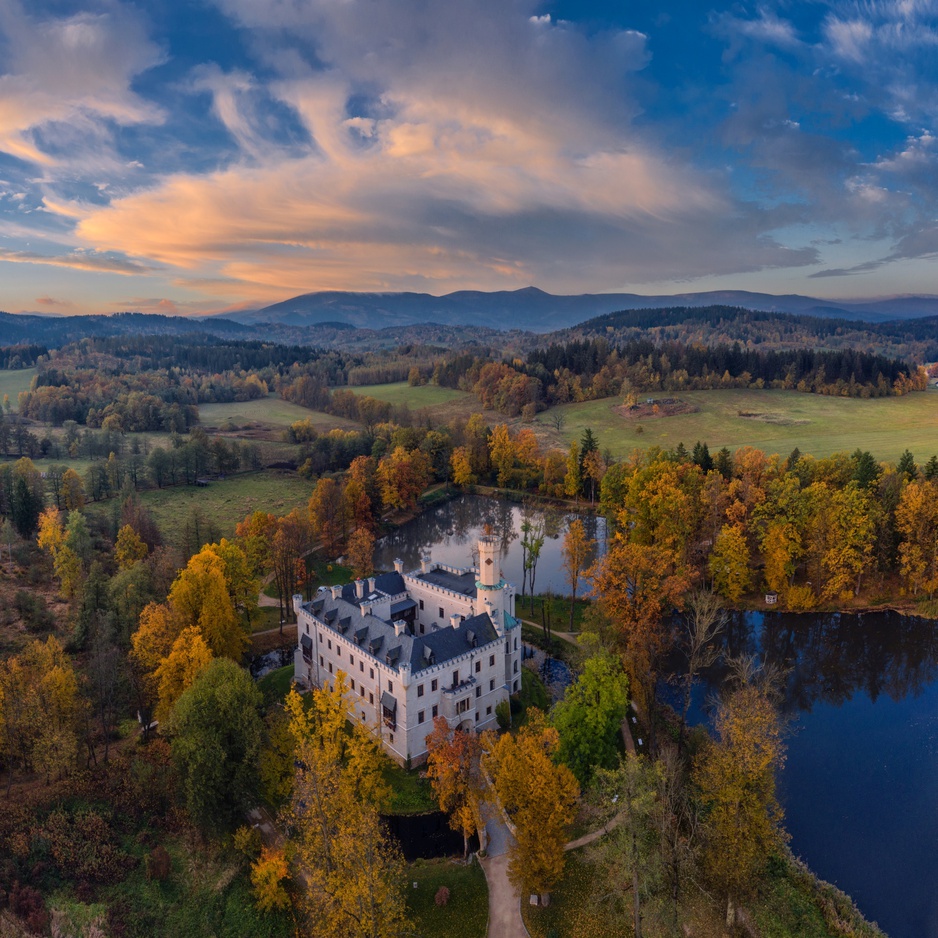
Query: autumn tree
point(176, 673)
point(704, 620)
point(736, 777)
point(290, 543)
point(268, 874)
point(454, 770)
point(917, 526)
point(730, 563)
point(402, 477)
point(73, 491)
point(635, 584)
point(129, 548)
point(255, 534)
point(589, 717)
point(327, 515)
point(461, 467)
point(199, 598)
point(502, 454)
point(351, 872)
point(577, 551)
point(539, 796)
point(361, 552)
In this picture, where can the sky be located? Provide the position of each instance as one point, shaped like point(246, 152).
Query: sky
point(189, 156)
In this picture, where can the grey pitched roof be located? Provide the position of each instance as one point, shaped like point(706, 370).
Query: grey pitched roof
point(464, 583)
point(378, 638)
point(448, 643)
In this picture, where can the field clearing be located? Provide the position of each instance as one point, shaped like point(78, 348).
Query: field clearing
point(400, 392)
point(12, 382)
point(265, 412)
point(774, 421)
point(227, 502)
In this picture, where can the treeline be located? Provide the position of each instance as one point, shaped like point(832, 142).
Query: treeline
point(914, 340)
point(14, 357)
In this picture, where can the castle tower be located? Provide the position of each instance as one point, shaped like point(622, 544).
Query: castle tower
point(492, 593)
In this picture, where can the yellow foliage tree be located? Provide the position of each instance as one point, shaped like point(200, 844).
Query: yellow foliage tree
point(129, 548)
point(268, 873)
point(177, 672)
point(729, 562)
point(461, 465)
point(540, 798)
point(736, 776)
point(199, 597)
point(73, 490)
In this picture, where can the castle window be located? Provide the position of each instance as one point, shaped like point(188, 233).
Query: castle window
point(371, 673)
point(434, 684)
point(491, 685)
point(330, 644)
point(455, 678)
point(371, 699)
point(353, 685)
point(420, 690)
point(478, 666)
point(330, 667)
point(435, 711)
point(488, 711)
point(441, 612)
point(421, 604)
point(390, 687)
point(478, 692)
point(491, 661)
point(420, 716)
point(516, 667)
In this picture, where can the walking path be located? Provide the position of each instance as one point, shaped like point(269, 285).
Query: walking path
point(504, 902)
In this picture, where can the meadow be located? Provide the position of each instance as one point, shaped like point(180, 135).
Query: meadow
point(400, 392)
point(266, 412)
point(226, 502)
point(12, 382)
point(773, 421)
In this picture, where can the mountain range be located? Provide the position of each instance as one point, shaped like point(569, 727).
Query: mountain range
point(534, 310)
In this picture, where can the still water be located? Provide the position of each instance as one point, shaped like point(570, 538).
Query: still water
point(450, 532)
point(860, 785)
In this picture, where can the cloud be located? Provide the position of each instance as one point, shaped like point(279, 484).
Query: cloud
point(51, 302)
point(75, 70)
point(78, 260)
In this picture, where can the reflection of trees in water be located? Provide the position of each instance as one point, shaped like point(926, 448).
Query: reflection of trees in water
point(460, 521)
point(829, 657)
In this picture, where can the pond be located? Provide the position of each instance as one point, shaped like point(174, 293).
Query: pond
point(860, 785)
point(860, 781)
point(451, 530)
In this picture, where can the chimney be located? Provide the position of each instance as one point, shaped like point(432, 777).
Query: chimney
point(360, 589)
point(297, 602)
point(336, 592)
point(399, 566)
point(400, 626)
point(455, 621)
point(425, 563)
point(371, 584)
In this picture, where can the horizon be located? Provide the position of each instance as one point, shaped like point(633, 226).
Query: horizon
point(239, 153)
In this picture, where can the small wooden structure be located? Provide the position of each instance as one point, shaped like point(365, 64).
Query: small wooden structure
point(771, 598)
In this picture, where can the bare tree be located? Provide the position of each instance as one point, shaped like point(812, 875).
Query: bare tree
point(704, 620)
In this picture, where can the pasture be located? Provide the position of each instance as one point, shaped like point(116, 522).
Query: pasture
point(12, 382)
point(228, 501)
point(264, 413)
point(773, 421)
point(400, 392)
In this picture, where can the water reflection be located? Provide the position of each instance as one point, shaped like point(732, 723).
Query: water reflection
point(450, 533)
point(830, 657)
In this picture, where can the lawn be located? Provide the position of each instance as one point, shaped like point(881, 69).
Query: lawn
point(466, 913)
point(269, 411)
point(12, 382)
point(275, 685)
point(412, 794)
point(775, 421)
point(228, 501)
point(557, 608)
point(400, 392)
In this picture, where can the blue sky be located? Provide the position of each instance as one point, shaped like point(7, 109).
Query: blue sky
point(193, 156)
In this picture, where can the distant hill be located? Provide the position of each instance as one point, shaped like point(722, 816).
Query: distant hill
point(537, 311)
point(56, 331)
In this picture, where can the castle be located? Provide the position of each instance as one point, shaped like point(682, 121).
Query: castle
point(438, 641)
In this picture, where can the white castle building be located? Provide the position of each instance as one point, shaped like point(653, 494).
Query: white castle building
point(440, 641)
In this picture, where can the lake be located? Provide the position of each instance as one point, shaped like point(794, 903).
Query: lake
point(860, 785)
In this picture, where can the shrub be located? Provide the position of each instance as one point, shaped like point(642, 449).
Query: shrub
point(442, 896)
point(27, 904)
point(503, 714)
point(159, 864)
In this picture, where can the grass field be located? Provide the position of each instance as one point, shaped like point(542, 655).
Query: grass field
point(269, 411)
point(12, 382)
point(227, 502)
point(776, 421)
point(466, 913)
point(427, 395)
